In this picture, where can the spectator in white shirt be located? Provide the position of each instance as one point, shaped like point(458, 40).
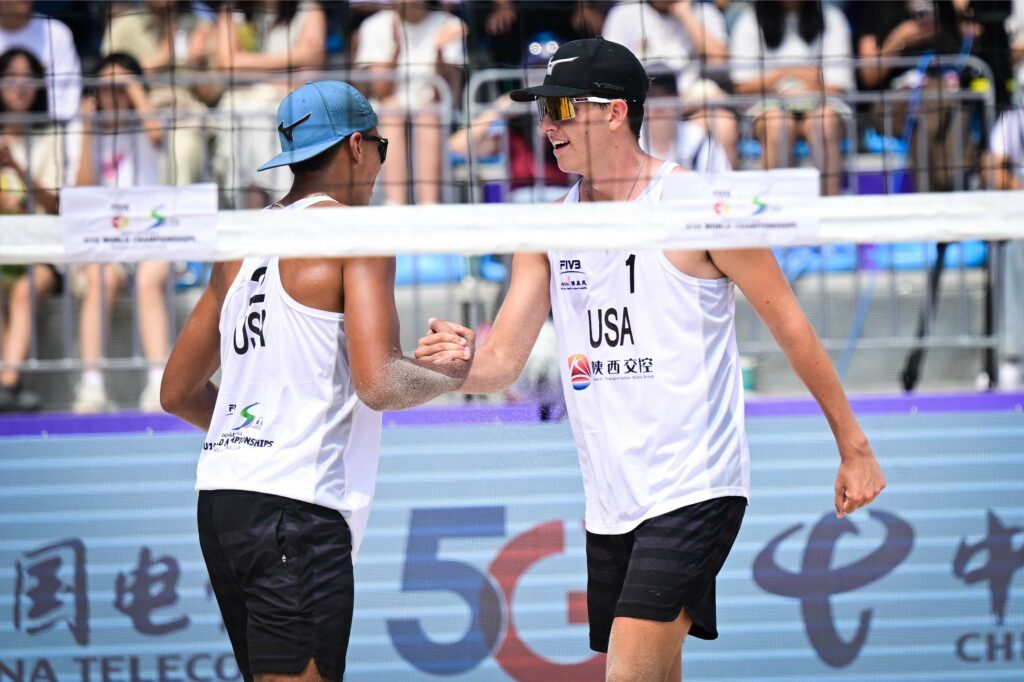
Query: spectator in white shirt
point(121, 148)
point(795, 54)
point(268, 45)
point(52, 44)
point(413, 42)
point(166, 36)
point(31, 173)
point(1015, 30)
point(687, 37)
point(668, 134)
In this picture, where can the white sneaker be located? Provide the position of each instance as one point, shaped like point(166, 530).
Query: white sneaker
point(90, 399)
point(149, 401)
point(982, 382)
point(1009, 375)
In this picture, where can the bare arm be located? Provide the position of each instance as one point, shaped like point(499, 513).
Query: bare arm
point(503, 15)
point(484, 143)
point(715, 51)
point(998, 175)
point(871, 75)
point(86, 176)
point(163, 57)
point(757, 274)
point(384, 378)
point(453, 30)
point(908, 34)
point(147, 112)
point(500, 360)
point(199, 43)
point(810, 76)
point(186, 390)
point(307, 51)
point(42, 195)
point(383, 87)
point(769, 80)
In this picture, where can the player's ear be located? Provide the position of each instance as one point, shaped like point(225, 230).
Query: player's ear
point(355, 147)
point(617, 114)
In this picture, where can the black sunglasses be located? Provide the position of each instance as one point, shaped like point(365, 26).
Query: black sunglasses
point(382, 145)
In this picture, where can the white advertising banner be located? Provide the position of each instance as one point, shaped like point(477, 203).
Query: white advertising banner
point(766, 203)
point(139, 223)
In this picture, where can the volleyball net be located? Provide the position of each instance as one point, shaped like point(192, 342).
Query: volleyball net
point(867, 268)
point(182, 95)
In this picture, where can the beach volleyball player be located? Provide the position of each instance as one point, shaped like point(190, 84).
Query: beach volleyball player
point(651, 376)
point(309, 353)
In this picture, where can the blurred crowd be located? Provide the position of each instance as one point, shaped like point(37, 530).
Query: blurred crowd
point(122, 94)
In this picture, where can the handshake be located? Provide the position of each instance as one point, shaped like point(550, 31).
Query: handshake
point(446, 342)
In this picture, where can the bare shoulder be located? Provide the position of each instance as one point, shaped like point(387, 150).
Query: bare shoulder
point(222, 275)
point(314, 271)
point(369, 272)
point(530, 266)
point(314, 282)
point(304, 277)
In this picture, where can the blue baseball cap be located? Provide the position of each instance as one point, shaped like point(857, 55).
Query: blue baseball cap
point(317, 116)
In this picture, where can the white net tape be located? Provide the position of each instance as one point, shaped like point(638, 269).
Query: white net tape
point(509, 228)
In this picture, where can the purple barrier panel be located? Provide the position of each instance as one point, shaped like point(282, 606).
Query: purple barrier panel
point(892, 404)
point(52, 424)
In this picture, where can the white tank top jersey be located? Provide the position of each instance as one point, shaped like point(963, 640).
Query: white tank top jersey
point(651, 378)
point(288, 421)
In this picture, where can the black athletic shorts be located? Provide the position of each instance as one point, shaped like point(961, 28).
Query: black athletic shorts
point(282, 573)
point(664, 565)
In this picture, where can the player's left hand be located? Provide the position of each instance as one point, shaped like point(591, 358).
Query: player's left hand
point(860, 479)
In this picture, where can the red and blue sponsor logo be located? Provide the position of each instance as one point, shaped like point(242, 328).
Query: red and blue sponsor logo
point(579, 371)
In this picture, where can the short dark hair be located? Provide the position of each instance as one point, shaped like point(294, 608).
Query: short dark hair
point(122, 59)
point(318, 162)
point(125, 61)
point(634, 116)
point(664, 84)
point(40, 105)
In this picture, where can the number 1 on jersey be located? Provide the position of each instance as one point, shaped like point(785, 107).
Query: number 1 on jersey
point(631, 263)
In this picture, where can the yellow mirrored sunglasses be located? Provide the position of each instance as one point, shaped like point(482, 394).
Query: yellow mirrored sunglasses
point(561, 108)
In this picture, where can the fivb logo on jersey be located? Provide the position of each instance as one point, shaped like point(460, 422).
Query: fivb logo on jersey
point(571, 276)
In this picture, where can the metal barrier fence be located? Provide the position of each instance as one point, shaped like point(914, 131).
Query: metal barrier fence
point(841, 279)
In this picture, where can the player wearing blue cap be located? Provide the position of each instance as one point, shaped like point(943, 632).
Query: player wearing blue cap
point(309, 354)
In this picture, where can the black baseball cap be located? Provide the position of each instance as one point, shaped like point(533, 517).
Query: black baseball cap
point(592, 66)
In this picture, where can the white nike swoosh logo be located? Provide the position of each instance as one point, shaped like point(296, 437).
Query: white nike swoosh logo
point(553, 62)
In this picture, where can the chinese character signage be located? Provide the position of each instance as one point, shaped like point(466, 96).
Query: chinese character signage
point(474, 562)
